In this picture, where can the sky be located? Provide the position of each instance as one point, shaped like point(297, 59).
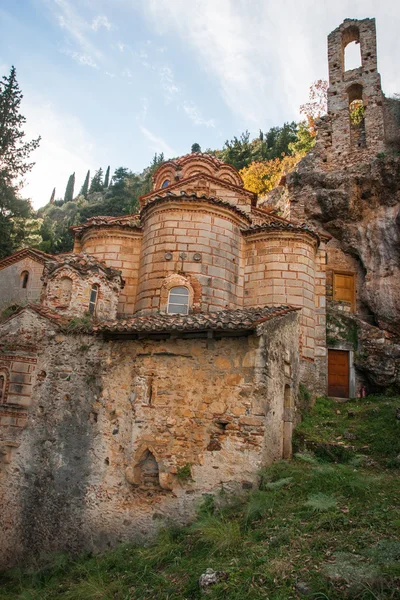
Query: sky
point(113, 82)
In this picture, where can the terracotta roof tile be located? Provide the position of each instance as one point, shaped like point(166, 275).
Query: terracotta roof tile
point(282, 226)
point(129, 221)
point(183, 196)
point(240, 319)
point(82, 263)
point(17, 256)
point(43, 311)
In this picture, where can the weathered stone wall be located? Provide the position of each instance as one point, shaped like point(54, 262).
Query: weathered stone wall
point(210, 412)
point(196, 240)
point(364, 84)
point(68, 292)
point(287, 268)
point(11, 289)
point(118, 248)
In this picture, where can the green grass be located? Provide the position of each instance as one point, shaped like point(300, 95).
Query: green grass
point(330, 529)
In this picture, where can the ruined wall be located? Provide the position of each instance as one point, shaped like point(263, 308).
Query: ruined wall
point(68, 292)
point(123, 437)
point(118, 248)
point(196, 240)
point(11, 289)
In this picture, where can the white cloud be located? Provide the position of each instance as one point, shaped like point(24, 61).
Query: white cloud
point(168, 84)
point(250, 52)
point(76, 26)
point(157, 143)
point(82, 59)
point(65, 147)
point(101, 21)
point(194, 115)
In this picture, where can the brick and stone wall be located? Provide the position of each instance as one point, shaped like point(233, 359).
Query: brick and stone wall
point(123, 437)
point(119, 248)
point(68, 292)
point(199, 241)
point(286, 268)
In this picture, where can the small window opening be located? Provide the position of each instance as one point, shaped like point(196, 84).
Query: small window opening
point(165, 183)
point(357, 116)
point(25, 278)
point(3, 381)
point(149, 472)
point(93, 298)
point(352, 56)
point(178, 301)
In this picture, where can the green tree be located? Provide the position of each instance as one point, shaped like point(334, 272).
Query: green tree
point(53, 196)
point(107, 178)
point(14, 163)
point(85, 187)
point(96, 184)
point(238, 152)
point(69, 190)
point(195, 148)
point(305, 140)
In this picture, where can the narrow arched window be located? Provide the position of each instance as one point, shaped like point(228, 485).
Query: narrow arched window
point(94, 292)
point(165, 183)
point(24, 279)
point(178, 301)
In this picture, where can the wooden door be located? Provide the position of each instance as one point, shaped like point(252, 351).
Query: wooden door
point(338, 373)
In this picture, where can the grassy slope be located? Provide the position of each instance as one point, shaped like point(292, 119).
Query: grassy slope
point(315, 527)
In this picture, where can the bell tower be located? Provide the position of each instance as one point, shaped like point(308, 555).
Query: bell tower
point(355, 98)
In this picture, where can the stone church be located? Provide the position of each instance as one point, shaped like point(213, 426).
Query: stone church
point(161, 359)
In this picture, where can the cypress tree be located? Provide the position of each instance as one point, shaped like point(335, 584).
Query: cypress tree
point(53, 195)
point(195, 148)
point(107, 178)
point(85, 187)
point(69, 190)
point(97, 182)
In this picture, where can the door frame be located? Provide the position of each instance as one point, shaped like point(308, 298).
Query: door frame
point(352, 372)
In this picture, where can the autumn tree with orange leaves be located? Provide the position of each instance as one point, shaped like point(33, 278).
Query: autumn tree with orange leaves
point(317, 105)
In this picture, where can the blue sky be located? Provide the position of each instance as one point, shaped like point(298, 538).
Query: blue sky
point(112, 82)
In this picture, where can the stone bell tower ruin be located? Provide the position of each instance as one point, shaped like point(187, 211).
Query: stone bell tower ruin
point(362, 84)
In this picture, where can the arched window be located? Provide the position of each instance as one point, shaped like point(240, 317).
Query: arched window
point(357, 115)
point(178, 301)
point(24, 279)
point(352, 56)
point(93, 298)
point(65, 291)
point(165, 183)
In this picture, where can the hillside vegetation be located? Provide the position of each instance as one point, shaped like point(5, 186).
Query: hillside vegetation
point(324, 525)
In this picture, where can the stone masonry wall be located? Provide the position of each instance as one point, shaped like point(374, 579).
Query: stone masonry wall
point(73, 301)
point(282, 268)
point(204, 414)
point(198, 241)
point(11, 289)
point(120, 249)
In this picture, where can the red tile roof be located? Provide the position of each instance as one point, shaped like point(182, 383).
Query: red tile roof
point(33, 253)
point(183, 196)
point(234, 320)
